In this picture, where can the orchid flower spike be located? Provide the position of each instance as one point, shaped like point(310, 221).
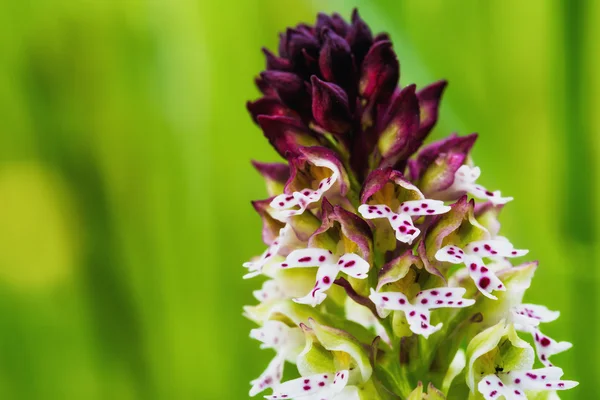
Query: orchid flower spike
point(485, 279)
point(513, 385)
point(417, 312)
point(316, 387)
point(329, 267)
point(527, 318)
point(464, 181)
point(353, 168)
point(286, 342)
point(402, 222)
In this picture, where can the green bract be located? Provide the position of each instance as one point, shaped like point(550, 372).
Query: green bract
point(498, 347)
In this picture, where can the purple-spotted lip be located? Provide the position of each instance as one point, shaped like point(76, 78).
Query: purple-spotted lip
point(418, 309)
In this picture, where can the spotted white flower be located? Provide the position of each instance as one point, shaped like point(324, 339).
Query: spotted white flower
point(329, 267)
point(288, 205)
point(286, 236)
point(464, 181)
point(418, 312)
point(402, 222)
point(513, 385)
point(270, 290)
point(282, 286)
point(527, 318)
point(500, 262)
point(317, 387)
point(286, 342)
point(472, 254)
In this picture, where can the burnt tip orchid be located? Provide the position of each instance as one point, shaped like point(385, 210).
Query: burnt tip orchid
point(384, 274)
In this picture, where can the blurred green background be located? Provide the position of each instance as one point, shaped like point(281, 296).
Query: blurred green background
point(125, 179)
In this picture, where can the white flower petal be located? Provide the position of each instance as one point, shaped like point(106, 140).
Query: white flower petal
point(494, 248)
point(322, 386)
point(539, 379)
point(444, 297)
point(451, 254)
point(546, 347)
point(296, 203)
point(353, 265)
point(401, 222)
point(492, 388)
point(325, 277)
point(310, 257)
point(464, 181)
point(270, 290)
point(270, 378)
point(485, 279)
point(417, 313)
point(329, 267)
point(424, 207)
point(514, 384)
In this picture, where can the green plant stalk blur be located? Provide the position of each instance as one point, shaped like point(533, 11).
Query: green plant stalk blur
point(125, 179)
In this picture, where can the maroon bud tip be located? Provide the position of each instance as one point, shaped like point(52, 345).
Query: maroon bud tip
point(290, 88)
point(274, 62)
point(400, 123)
point(382, 37)
point(335, 60)
point(268, 106)
point(380, 72)
point(272, 171)
point(359, 37)
point(286, 134)
point(330, 106)
point(429, 102)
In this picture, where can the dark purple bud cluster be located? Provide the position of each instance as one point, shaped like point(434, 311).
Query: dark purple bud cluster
point(335, 84)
